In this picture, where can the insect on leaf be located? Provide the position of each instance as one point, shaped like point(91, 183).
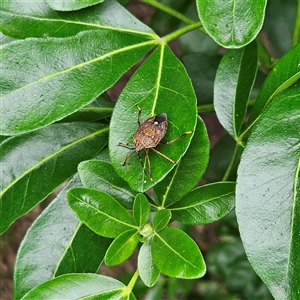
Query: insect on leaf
point(160, 87)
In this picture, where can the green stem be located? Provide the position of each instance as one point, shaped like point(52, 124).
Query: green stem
point(232, 162)
point(169, 10)
point(181, 31)
point(264, 58)
point(209, 108)
point(206, 108)
point(296, 34)
point(133, 280)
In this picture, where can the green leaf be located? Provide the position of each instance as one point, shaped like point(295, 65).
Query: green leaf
point(188, 170)
point(67, 5)
point(100, 175)
point(166, 88)
point(177, 255)
point(232, 24)
point(202, 68)
point(100, 212)
point(161, 219)
point(122, 247)
point(205, 204)
point(21, 19)
point(58, 85)
point(285, 73)
point(148, 271)
point(5, 39)
point(57, 228)
point(34, 164)
point(233, 83)
point(99, 109)
point(267, 206)
point(87, 286)
point(141, 210)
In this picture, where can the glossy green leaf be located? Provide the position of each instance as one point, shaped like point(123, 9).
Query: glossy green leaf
point(5, 39)
point(99, 109)
point(34, 164)
point(34, 75)
point(141, 210)
point(67, 5)
point(21, 19)
point(233, 84)
point(57, 228)
point(232, 24)
point(148, 271)
point(267, 206)
point(100, 175)
point(176, 254)
point(100, 212)
point(205, 204)
point(80, 286)
point(166, 88)
point(285, 73)
point(161, 219)
point(202, 68)
point(122, 247)
point(188, 171)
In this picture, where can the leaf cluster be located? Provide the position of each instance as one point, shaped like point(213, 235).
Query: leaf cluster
point(58, 125)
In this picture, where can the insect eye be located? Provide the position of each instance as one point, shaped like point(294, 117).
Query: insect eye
point(160, 118)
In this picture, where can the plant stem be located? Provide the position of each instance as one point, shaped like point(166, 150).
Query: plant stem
point(133, 280)
point(264, 58)
point(181, 31)
point(296, 34)
point(170, 11)
point(230, 167)
point(209, 108)
point(206, 108)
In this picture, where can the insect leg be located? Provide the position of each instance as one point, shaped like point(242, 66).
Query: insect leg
point(125, 145)
point(140, 158)
point(127, 156)
point(149, 165)
point(166, 157)
point(179, 137)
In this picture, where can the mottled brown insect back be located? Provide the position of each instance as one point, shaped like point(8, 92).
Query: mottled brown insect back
point(148, 136)
point(151, 132)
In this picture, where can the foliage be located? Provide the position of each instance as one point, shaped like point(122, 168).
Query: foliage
point(58, 60)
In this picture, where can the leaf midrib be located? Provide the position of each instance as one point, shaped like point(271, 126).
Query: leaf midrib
point(204, 202)
point(105, 214)
point(47, 158)
point(97, 26)
point(174, 251)
point(78, 66)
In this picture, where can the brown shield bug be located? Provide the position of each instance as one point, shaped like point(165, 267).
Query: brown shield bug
point(148, 135)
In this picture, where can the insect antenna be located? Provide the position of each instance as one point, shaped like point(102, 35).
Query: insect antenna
point(125, 145)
